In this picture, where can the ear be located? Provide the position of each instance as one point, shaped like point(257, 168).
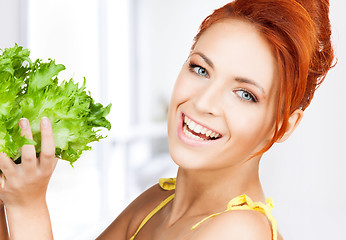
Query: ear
point(293, 122)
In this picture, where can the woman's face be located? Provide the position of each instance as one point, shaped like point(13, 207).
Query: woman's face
point(223, 104)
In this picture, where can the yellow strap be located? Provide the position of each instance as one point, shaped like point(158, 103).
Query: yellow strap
point(158, 208)
point(243, 202)
point(167, 183)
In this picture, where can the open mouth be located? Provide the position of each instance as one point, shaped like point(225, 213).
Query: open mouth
point(196, 131)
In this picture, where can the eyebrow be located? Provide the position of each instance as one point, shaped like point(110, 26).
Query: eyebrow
point(251, 82)
point(205, 58)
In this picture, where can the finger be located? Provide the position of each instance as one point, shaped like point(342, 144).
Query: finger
point(7, 166)
point(2, 180)
point(29, 160)
point(47, 155)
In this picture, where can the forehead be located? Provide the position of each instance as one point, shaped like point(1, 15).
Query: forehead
point(237, 49)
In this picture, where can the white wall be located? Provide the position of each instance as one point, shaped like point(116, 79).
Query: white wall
point(12, 24)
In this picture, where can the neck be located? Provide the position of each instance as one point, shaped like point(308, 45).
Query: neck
point(208, 191)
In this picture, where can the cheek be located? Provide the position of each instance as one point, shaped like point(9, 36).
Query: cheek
point(184, 88)
point(250, 123)
point(180, 94)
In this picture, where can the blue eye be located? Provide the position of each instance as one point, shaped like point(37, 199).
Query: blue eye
point(199, 70)
point(245, 95)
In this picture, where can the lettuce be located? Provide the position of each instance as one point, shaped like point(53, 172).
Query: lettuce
point(31, 90)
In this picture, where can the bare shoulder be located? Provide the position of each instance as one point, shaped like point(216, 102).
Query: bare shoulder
point(144, 204)
point(128, 221)
point(236, 224)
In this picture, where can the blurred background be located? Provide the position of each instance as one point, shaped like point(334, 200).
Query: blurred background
point(130, 52)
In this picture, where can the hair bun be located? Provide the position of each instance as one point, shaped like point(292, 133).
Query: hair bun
point(323, 54)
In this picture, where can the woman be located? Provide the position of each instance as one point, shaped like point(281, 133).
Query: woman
point(251, 72)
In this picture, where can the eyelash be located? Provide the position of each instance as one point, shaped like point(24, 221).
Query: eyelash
point(192, 67)
point(254, 99)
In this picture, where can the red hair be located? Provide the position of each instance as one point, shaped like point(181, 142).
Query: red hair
point(299, 33)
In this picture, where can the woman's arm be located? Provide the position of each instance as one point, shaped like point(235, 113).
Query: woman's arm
point(25, 186)
point(3, 224)
point(26, 222)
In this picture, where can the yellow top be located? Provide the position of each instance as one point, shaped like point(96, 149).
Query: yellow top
point(242, 202)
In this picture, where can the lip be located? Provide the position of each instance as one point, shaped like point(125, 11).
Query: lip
point(191, 142)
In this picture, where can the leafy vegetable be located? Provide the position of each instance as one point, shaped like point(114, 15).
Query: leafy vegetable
point(31, 90)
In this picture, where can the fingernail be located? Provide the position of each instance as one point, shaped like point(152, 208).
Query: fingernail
point(23, 122)
point(45, 122)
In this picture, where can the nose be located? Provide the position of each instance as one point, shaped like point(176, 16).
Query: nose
point(208, 99)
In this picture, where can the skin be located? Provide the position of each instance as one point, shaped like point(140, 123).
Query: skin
point(3, 224)
point(212, 92)
point(24, 191)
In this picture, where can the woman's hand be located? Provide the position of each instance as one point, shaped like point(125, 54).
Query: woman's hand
point(23, 187)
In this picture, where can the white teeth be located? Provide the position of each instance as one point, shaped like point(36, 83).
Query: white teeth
point(192, 125)
point(197, 129)
point(190, 135)
point(204, 130)
point(208, 133)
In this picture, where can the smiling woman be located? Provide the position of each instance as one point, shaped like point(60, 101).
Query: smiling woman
point(252, 70)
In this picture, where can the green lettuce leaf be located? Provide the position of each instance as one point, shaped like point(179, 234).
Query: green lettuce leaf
point(31, 90)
